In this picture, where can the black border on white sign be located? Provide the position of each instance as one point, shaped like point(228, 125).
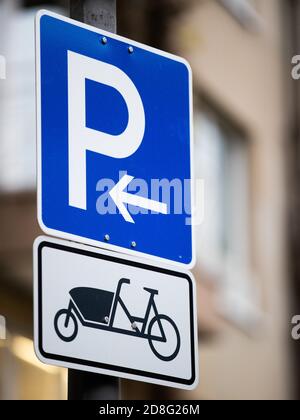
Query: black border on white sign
point(186, 383)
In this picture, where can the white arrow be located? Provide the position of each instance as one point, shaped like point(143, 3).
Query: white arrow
point(120, 198)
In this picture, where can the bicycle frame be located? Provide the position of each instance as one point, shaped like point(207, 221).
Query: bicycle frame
point(109, 327)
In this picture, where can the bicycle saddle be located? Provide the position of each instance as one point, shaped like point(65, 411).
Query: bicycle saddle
point(152, 291)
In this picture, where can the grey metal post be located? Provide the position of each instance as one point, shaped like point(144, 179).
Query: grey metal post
point(84, 385)
point(99, 13)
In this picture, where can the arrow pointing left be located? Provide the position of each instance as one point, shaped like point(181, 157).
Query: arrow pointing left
point(121, 198)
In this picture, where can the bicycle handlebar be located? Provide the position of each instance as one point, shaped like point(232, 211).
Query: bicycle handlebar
point(124, 281)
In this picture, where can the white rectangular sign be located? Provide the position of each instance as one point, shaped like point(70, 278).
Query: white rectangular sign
point(130, 319)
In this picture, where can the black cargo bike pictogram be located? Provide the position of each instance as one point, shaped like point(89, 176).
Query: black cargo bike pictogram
point(95, 308)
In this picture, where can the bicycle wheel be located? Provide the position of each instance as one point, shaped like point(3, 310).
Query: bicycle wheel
point(65, 332)
point(164, 324)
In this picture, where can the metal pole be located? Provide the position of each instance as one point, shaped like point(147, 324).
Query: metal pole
point(84, 385)
point(99, 13)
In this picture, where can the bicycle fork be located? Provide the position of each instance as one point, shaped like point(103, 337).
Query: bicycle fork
point(70, 307)
point(152, 304)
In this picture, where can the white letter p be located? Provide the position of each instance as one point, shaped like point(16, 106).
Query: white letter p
point(82, 138)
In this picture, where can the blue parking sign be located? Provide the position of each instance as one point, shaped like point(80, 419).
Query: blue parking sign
point(114, 123)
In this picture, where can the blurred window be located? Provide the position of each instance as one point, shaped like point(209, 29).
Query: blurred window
point(17, 96)
point(17, 116)
point(222, 161)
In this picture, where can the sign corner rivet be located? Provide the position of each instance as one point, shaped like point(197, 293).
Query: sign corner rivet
point(130, 49)
point(104, 40)
point(133, 244)
point(107, 238)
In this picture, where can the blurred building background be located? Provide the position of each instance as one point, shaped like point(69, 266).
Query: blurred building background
point(246, 149)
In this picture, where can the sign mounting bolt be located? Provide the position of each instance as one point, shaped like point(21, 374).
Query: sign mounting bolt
point(130, 50)
point(133, 244)
point(107, 238)
point(104, 40)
